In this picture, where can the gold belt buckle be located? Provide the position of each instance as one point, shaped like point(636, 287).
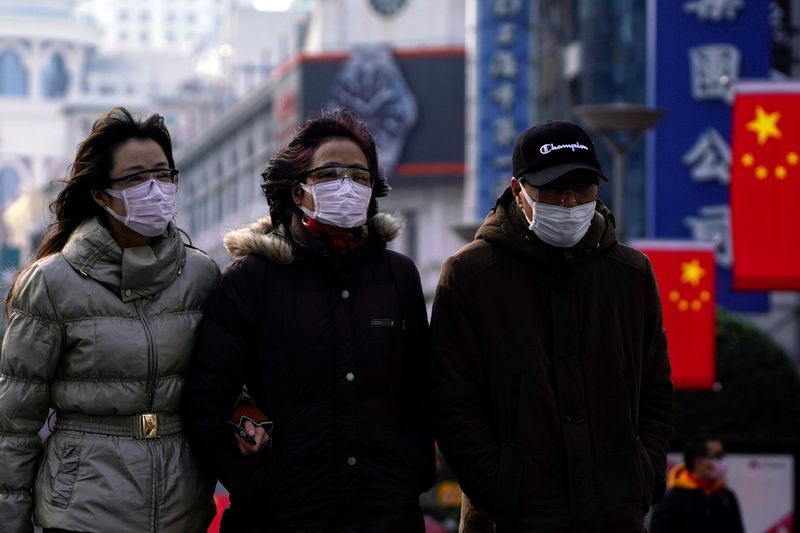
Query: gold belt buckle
point(148, 425)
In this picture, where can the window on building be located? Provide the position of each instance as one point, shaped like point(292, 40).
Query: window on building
point(144, 16)
point(411, 234)
point(144, 36)
point(123, 36)
point(13, 76)
point(231, 199)
point(55, 78)
point(170, 37)
point(122, 14)
point(190, 18)
point(9, 186)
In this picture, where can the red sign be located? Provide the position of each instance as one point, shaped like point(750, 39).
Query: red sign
point(765, 186)
point(685, 275)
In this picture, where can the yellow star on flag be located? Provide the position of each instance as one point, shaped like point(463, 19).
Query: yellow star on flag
point(765, 125)
point(748, 160)
point(792, 158)
point(780, 172)
point(761, 172)
point(692, 272)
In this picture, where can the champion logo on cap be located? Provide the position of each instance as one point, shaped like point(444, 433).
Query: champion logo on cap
point(547, 148)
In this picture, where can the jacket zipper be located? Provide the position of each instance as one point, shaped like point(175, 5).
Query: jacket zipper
point(152, 361)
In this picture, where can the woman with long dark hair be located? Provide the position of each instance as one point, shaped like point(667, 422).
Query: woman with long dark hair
point(101, 326)
point(327, 329)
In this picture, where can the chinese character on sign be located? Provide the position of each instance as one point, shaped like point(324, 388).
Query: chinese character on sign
point(710, 158)
point(715, 68)
point(714, 225)
point(714, 10)
point(503, 64)
point(504, 95)
point(506, 33)
point(504, 131)
point(506, 8)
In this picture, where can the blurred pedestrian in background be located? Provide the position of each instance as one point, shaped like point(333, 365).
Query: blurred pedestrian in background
point(551, 385)
point(101, 325)
point(697, 500)
point(328, 330)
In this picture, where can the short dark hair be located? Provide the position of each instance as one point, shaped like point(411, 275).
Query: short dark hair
point(285, 168)
point(696, 448)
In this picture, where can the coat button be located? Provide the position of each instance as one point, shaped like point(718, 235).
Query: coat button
point(345, 294)
point(127, 292)
point(351, 461)
point(568, 419)
point(349, 376)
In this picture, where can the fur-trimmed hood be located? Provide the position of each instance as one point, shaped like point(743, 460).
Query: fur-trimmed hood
point(261, 238)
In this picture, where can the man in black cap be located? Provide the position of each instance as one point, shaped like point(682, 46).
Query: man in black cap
point(551, 390)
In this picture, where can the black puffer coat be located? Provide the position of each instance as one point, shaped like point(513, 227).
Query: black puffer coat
point(551, 384)
point(333, 351)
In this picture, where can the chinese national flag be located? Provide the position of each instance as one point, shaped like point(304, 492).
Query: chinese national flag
point(685, 275)
point(765, 186)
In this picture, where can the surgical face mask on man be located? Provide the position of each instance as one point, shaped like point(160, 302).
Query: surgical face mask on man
point(718, 470)
point(558, 226)
point(341, 203)
point(149, 206)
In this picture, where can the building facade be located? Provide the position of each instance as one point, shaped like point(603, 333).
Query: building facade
point(409, 91)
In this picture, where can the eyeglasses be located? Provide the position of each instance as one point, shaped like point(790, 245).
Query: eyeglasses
point(328, 173)
point(164, 175)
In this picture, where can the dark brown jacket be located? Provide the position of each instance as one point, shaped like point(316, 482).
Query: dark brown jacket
point(333, 350)
point(551, 382)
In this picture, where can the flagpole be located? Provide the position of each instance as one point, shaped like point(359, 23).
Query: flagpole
point(619, 126)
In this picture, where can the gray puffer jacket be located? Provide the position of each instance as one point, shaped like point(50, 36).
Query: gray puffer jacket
point(102, 335)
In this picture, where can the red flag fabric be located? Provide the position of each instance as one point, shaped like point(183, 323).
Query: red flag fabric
point(685, 274)
point(765, 186)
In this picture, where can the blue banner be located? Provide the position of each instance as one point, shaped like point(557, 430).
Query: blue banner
point(698, 50)
point(503, 93)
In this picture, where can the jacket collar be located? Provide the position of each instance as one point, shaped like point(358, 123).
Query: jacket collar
point(680, 477)
point(281, 246)
point(133, 272)
point(505, 226)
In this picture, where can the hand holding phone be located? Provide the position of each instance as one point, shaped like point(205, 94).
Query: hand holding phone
point(241, 431)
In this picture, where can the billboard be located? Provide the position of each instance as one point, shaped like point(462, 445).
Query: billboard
point(698, 50)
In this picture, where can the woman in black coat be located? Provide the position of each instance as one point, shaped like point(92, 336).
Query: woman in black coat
point(327, 329)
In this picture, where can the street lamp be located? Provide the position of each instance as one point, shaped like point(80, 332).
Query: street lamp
point(619, 126)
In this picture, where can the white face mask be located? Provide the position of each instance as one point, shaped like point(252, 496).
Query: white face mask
point(341, 203)
point(149, 206)
point(719, 468)
point(559, 226)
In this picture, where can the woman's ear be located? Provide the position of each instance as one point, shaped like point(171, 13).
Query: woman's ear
point(101, 198)
point(297, 194)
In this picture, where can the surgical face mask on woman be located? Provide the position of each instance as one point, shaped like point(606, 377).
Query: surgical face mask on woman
point(342, 203)
point(149, 206)
point(559, 226)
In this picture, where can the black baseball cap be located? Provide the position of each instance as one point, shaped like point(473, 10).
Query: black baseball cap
point(549, 150)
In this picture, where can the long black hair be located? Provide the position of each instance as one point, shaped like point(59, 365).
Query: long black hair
point(284, 170)
point(91, 171)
